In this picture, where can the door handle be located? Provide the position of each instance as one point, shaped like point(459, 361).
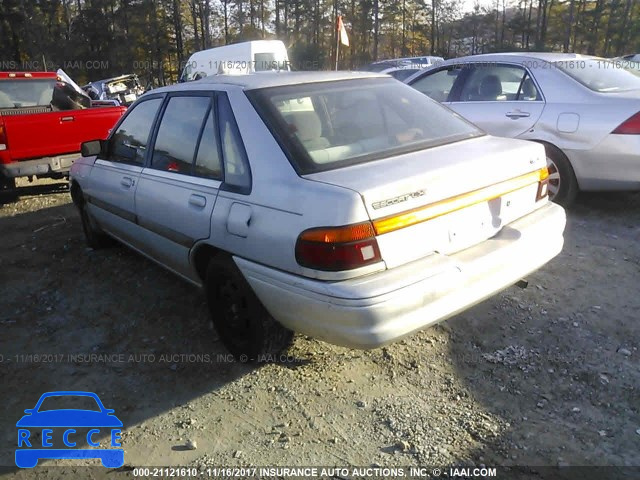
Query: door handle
point(126, 182)
point(68, 118)
point(197, 201)
point(517, 114)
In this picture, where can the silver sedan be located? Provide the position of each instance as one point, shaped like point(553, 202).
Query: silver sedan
point(344, 206)
point(584, 110)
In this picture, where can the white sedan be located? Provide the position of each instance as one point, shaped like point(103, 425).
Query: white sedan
point(584, 110)
point(345, 206)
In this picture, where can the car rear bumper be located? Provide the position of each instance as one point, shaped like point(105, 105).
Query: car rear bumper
point(59, 164)
point(371, 311)
point(614, 164)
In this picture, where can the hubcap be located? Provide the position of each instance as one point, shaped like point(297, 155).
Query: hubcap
point(554, 179)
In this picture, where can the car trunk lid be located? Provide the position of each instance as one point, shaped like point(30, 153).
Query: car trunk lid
point(444, 199)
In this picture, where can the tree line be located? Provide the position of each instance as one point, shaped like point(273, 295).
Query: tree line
point(95, 39)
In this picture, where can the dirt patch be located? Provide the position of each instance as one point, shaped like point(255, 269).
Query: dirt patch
point(545, 376)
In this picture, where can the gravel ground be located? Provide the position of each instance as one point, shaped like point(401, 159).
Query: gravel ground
point(547, 376)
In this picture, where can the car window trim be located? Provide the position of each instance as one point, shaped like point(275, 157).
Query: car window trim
point(115, 128)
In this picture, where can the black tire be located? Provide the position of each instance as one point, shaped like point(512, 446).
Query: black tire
point(94, 237)
point(245, 327)
point(8, 191)
point(563, 186)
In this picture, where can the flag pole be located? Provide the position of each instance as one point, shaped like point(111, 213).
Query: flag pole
point(337, 40)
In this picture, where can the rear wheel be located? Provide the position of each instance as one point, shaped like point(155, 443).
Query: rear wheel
point(245, 327)
point(563, 186)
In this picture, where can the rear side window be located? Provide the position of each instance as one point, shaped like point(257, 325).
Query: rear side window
point(491, 83)
point(179, 132)
point(438, 85)
point(237, 175)
point(208, 163)
point(355, 121)
point(600, 75)
point(129, 142)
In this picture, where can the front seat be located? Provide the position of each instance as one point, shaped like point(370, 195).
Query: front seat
point(490, 88)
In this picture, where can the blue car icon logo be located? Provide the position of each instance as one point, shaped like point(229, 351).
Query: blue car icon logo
point(67, 426)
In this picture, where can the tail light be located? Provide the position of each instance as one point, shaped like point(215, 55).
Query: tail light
point(3, 138)
point(631, 126)
point(338, 248)
point(543, 184)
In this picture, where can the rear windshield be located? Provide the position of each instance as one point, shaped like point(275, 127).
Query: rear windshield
point(122, 85)
point(600, 75)
point(328, 125)
point(26, 93)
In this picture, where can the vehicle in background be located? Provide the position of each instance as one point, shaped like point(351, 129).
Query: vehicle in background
point(236, 59)
point(634, 57)
point(584, 110)
point(383, 66)
point(422, 214)
point(400, 73)
point(125, 89)
point(43, 121)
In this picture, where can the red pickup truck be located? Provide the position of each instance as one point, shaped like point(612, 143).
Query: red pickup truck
point(43, 121)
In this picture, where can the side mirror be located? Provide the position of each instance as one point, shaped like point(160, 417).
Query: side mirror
point(92, 148)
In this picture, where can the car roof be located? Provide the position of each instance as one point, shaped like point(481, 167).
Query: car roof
point(521, 56)
point(252, 81)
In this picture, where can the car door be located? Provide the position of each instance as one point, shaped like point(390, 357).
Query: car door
point(177, 189)
point(114, 176)
point(502, 99)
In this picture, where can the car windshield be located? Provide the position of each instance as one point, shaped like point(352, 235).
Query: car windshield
point(67, 402)
point(26, 92)
point(328, 125)
point(122, 85)
point(600, 75)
